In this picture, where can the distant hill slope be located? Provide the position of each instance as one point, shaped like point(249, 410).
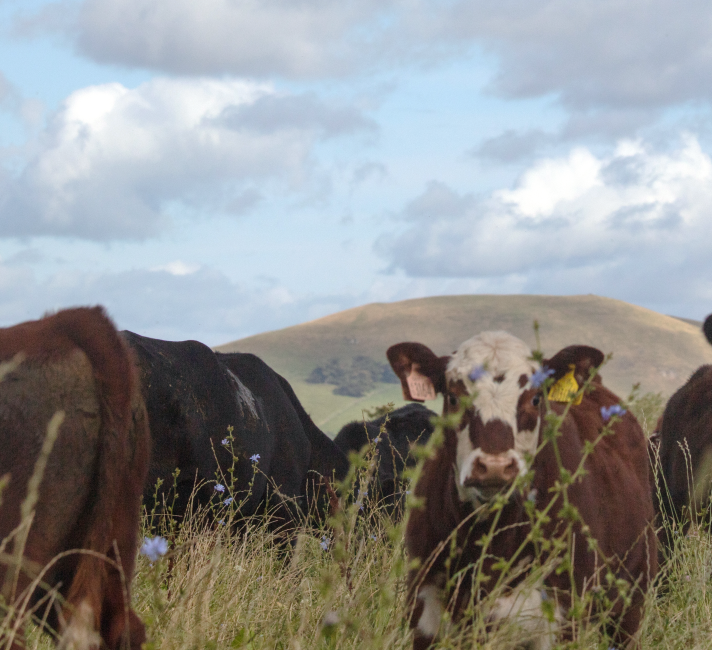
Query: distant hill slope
point(656, 350)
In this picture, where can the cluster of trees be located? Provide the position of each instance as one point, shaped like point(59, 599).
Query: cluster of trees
point(354, 377)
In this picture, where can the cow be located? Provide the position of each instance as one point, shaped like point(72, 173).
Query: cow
point(75, 452)
point(503, 444)
point(227, 421)
point(685, 453)
point(402, 428)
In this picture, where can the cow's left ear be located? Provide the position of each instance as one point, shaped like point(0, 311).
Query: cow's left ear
point(581, 357)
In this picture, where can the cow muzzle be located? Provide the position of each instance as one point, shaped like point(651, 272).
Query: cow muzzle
point(492, 471)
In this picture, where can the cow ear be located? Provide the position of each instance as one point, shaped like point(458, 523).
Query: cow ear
point(420, 370)
point(581, 357)
point(707, 328)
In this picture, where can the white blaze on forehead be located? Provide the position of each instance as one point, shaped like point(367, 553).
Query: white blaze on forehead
point(506, 358)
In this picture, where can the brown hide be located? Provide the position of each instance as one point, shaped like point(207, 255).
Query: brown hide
point(90, 493)
point(685, 453)
point(613, 497)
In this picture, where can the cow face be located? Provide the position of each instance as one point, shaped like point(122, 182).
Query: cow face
point(501, 419)
point(502, 409)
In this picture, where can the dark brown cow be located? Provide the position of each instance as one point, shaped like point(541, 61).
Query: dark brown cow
point(499, 434)
point(74, 367)
point(685, 450)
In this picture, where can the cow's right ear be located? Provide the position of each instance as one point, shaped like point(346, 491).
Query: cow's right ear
point(707, 328)
point(420, 370)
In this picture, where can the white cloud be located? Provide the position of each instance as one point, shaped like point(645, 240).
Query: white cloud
point(639, 54)
point(203, 304)
point(178, 267)
point(635, 223)
point(112, 158)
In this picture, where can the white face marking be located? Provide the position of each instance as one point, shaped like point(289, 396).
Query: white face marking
point(429, 621)
point(504, 357)
point(465, 457)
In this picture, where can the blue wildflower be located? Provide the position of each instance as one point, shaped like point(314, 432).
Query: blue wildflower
point(219, 487)
point(224, 441)
point(607, 412)
point(254, 458)
point(373, 537)
point(222, 522)
point(477, 373)
point(324, 543)
point(540, 376)
point(228, 501)
point(154, 548)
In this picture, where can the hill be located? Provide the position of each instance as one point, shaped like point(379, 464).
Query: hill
point(656, 350)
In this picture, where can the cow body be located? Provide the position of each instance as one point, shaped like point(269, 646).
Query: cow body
point(492, 381)
point(403, 428)
point(196, 399)
point(74, 367)
point(685, 449)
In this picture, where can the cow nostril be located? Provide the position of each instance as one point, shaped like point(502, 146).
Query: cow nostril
point(479, 470)
point(511, 470)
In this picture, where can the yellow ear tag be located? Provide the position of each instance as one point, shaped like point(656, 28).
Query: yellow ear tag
point(566, 388)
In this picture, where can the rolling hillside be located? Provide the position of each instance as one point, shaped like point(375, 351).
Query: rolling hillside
point(658, 351)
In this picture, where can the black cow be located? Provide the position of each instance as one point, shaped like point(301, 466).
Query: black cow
point(685, 449)
point(197, 399)
point(404, 427)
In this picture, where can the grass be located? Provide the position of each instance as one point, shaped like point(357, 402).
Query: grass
point(342, 586)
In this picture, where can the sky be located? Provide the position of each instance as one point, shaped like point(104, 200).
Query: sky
point(211, 170)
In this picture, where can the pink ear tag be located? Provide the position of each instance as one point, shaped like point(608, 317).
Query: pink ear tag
point(420, 387)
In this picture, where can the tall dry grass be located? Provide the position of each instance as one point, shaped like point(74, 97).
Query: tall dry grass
point(342, 585)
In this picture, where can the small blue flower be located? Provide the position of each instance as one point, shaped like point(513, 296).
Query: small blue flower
point(228, 501)
point(373, 537)
point(224, 441)
point(607, 412)
point(477, 373)
point(360, 505)
point(364, 493)
point(222, 522)
point(219, 487)
point(324, 543)
point(377, 439)
point(154, 548)
point(254, 458)
point(540, 376)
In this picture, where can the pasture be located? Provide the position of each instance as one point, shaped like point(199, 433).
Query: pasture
point(342, 585)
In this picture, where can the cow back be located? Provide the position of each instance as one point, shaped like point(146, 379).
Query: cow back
point(75, 366)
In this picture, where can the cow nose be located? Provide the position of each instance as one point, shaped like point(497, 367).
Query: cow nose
point(493, 469)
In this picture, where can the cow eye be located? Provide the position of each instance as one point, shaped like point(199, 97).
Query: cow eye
point(536, 400)
point(452, 399)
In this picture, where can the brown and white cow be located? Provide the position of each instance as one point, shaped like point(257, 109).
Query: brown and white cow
point(685, 451)
point(500, 438)
point(76, 530)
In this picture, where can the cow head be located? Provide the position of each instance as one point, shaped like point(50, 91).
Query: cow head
point(500, 425)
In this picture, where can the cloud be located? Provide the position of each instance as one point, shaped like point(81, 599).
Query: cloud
point(176, 302)
point(112, 158)
point(511, 146)
point(635, 220)
point(634, 55)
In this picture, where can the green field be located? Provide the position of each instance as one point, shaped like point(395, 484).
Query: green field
point(656, 350)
